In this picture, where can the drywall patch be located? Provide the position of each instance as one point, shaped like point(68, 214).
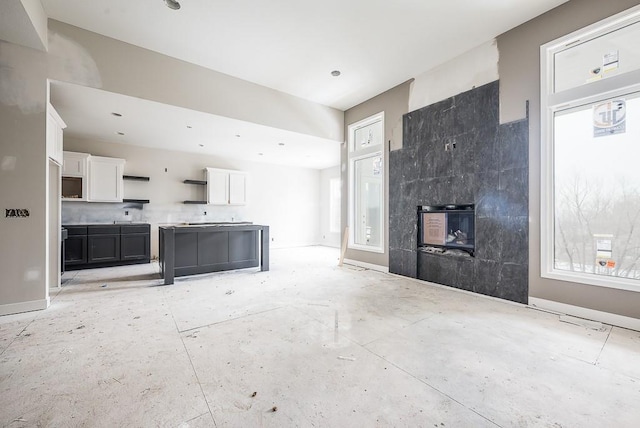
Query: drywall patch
point(19, 68)
point(32, 275)
point(70, 62)
point(8, 163)
point(472, 69)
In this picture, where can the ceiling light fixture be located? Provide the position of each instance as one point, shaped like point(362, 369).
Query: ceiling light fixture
point(172, 4)
point(120, 133)
point(201, 145)
point(260, 154)
point(281, 144)
point(116, 114)
point(237, 135)
point(188, 126)
point(335, 73)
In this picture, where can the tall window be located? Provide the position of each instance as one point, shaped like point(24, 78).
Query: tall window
point(366, 184)
point(590, 224)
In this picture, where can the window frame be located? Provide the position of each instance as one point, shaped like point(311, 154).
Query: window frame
point(553, 102)
point(355, 154)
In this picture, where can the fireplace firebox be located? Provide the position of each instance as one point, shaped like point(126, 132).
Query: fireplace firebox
point(445, 227)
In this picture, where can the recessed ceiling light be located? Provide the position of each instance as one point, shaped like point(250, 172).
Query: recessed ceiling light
point(201, 145)
point(172, 4)
point(281, 144)
point(237, 135)
point(260, 154)
point(335, 73)
point(116, 114)
point(120, 133)
point(189, 126)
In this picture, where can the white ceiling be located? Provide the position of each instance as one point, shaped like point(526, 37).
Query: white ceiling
point(88, 115)
point(293, 45)
point(287, 45)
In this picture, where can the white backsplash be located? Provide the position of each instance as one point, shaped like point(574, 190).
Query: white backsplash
point(95, 212)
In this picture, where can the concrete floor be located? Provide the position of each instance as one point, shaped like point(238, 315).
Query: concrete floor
point(326, 346)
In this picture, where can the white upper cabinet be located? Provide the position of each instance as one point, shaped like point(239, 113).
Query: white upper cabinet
point(237, 188)
point(217, 187)
point(105, 179)
point(75, 164)
point(74, 176)
point(55, 125)
point(226, 187)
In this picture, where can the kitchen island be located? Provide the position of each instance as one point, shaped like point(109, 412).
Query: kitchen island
point(195, 248)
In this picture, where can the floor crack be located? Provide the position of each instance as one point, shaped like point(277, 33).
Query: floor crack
point(603, 345)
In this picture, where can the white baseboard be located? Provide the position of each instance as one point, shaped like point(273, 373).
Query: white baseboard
point(365, 265)
point(589, 314)
point(16, 308)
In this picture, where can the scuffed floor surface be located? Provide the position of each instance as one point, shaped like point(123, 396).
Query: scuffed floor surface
point(308, 344)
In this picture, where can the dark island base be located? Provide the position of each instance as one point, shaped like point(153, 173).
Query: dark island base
point(196, 249)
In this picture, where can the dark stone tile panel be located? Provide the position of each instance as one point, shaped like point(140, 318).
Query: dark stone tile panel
point(409, 263)
point(488, 101)
point(464, 115)
point(395, 227)
point(489, 232)
point(395, 261)
point(487, 156)
point(487, 277)
point(515, 240)
point(487, 194)
point(436, 191)
point(513, 143)
point(464, 154)
point(411, 164)
point(462, 189)
point(514, 189)
point(440, 161)
point(513, 284)
point(408, 130)
point(466, 273)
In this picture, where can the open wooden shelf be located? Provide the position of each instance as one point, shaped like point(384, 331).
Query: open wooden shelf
point(135, 178)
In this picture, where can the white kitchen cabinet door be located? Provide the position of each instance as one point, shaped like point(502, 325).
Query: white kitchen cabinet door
point(74, 164)
point(237, 188)
point(226, 187)
point(217, 187)
point(105, 179)
point(55, 125)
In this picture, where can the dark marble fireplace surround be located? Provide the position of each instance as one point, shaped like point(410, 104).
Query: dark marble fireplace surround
point(489, 168)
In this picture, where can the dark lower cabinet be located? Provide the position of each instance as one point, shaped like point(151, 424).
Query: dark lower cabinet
point(103, 243)
point(75, 246)
point(134, 246)
point(106, 245)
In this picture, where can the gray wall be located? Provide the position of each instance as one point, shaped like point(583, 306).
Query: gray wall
point(23, 178)
point(519, 70)
point(394, 103)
